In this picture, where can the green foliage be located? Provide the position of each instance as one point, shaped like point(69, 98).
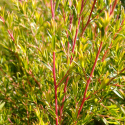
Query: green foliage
point(28, 37)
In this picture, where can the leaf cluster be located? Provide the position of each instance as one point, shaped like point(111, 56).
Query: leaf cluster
point(27, 93)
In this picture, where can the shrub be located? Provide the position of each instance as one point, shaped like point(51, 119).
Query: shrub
point(62, 62)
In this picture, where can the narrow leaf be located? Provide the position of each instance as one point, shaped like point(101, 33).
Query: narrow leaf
point(1, 105)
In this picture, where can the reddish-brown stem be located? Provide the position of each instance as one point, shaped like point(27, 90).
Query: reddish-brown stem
point(2, 71)
point(50, 67)
point(54, 73)
point(63, 48)
point(88, 18)
point(68, 47)
point(71, 18)
point(107, 116)
point(75, 38)
point(98, 14)
point(63, 78)
point(104, 56)
point(28, 81)
point(83, 4)
point(85, 74)
point(31, 74)
point(82, 22)
point(108, 84)
point(115, 76)
point(111, 12)
point(54, 76)
point(119, 29)
point(76, 34)
point(92, 94)
point(10, 121)
point(115, 3)
point(110, 8)
point(65, 89)
point(67, 34)
point(77, 29)
point(11, 35)
point(2, 19)
point(63, 14)
point(52, 9)
point(88, 82)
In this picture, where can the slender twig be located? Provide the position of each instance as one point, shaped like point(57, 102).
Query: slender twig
point(85, 74)
point(65, 87)
point(50, 66)
point(52, 9)
point(77, 29)
point(10, 121)
point(115, 76)
point(88, 82)
point(104, 56)
point(76, 34)
point(108, 84)
point(88, 18)
point(111, 12)
point(31, 74)
point(54, 72)
point(115, 3)
point(54, 76)
point(63, 78)
point(107, 116)
point(2, 71)
point(11, 35)
point(119, 29)
point(65, 90)
point(83, 4)
point(98, 14)
point(2, 19)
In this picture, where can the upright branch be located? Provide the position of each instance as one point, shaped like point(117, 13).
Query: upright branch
point(88, 18)
point(54, 76)
point(65, 87)
point(77, 29)
point(83, 4)
point(52, 9)
point(89, 80)
point(74, 42)
point(112, 10)
point(54, 73)
point(76, 34)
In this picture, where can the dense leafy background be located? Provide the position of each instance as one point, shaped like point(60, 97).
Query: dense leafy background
point(26, 78)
